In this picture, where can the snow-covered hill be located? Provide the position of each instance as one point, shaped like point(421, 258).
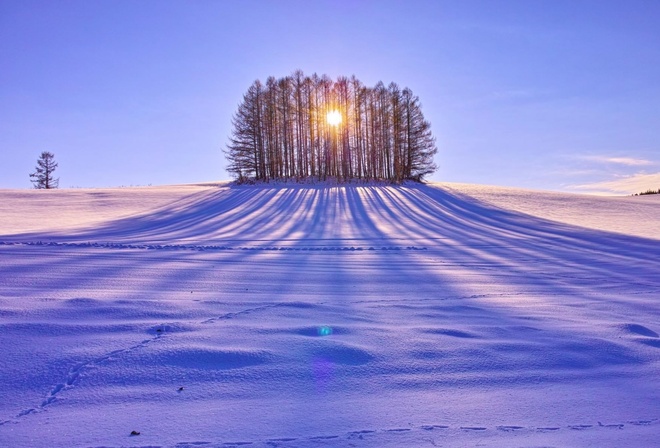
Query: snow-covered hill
point(296, 316)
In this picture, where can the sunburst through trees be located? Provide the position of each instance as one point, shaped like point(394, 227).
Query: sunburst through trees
point(310, 126)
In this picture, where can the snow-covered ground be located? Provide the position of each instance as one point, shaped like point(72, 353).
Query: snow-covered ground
point(312, 316)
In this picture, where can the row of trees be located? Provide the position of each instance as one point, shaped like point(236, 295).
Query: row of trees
point(649, 191)
point(309, 126)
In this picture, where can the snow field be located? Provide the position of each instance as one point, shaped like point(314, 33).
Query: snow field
point(326, 316)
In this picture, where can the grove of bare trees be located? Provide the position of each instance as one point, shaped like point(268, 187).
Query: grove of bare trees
point(310, 126)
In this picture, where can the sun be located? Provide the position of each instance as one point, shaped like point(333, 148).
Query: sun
point(334, 118)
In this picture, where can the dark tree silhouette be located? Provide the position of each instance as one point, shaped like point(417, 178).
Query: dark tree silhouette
point(282, 130)
point(649, 191)
point(43, 178)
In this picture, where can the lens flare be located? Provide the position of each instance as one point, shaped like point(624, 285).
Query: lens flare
point(334, 118)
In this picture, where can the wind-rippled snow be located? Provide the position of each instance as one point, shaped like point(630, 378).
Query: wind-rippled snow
point(296, 316)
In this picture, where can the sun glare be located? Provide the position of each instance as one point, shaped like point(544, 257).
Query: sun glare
point(334, 118)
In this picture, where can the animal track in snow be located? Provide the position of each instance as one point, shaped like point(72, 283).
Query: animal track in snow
point(191, 444)
point(373, 434)
point(159, 331)
point(509, 428)
point(643, 422)
point(201, 248)
point(74, 373)
point(241, 313)
point(433, 427)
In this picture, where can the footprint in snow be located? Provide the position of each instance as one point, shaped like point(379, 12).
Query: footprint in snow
point(643, 422)
point(507, 428)
point(432, 427)
point(360, 434)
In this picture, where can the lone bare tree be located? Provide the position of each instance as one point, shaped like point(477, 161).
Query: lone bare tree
point(43, 178)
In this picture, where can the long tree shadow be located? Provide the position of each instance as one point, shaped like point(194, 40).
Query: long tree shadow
point(454, 228)
point(365, 216)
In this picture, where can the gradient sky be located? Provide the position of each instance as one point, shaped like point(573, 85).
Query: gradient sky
point(554, 95)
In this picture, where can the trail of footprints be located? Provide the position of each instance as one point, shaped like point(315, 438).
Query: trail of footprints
point(159, 331)
point(75, 371)
point(195, 247)
point(241, 313)
point(366, 434)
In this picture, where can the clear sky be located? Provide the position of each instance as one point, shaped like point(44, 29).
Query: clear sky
point(556, 95)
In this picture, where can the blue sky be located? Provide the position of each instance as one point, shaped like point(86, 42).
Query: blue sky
point(555, 95)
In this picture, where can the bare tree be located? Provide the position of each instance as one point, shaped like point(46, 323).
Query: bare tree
point(245, 151)
point(42, 178)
